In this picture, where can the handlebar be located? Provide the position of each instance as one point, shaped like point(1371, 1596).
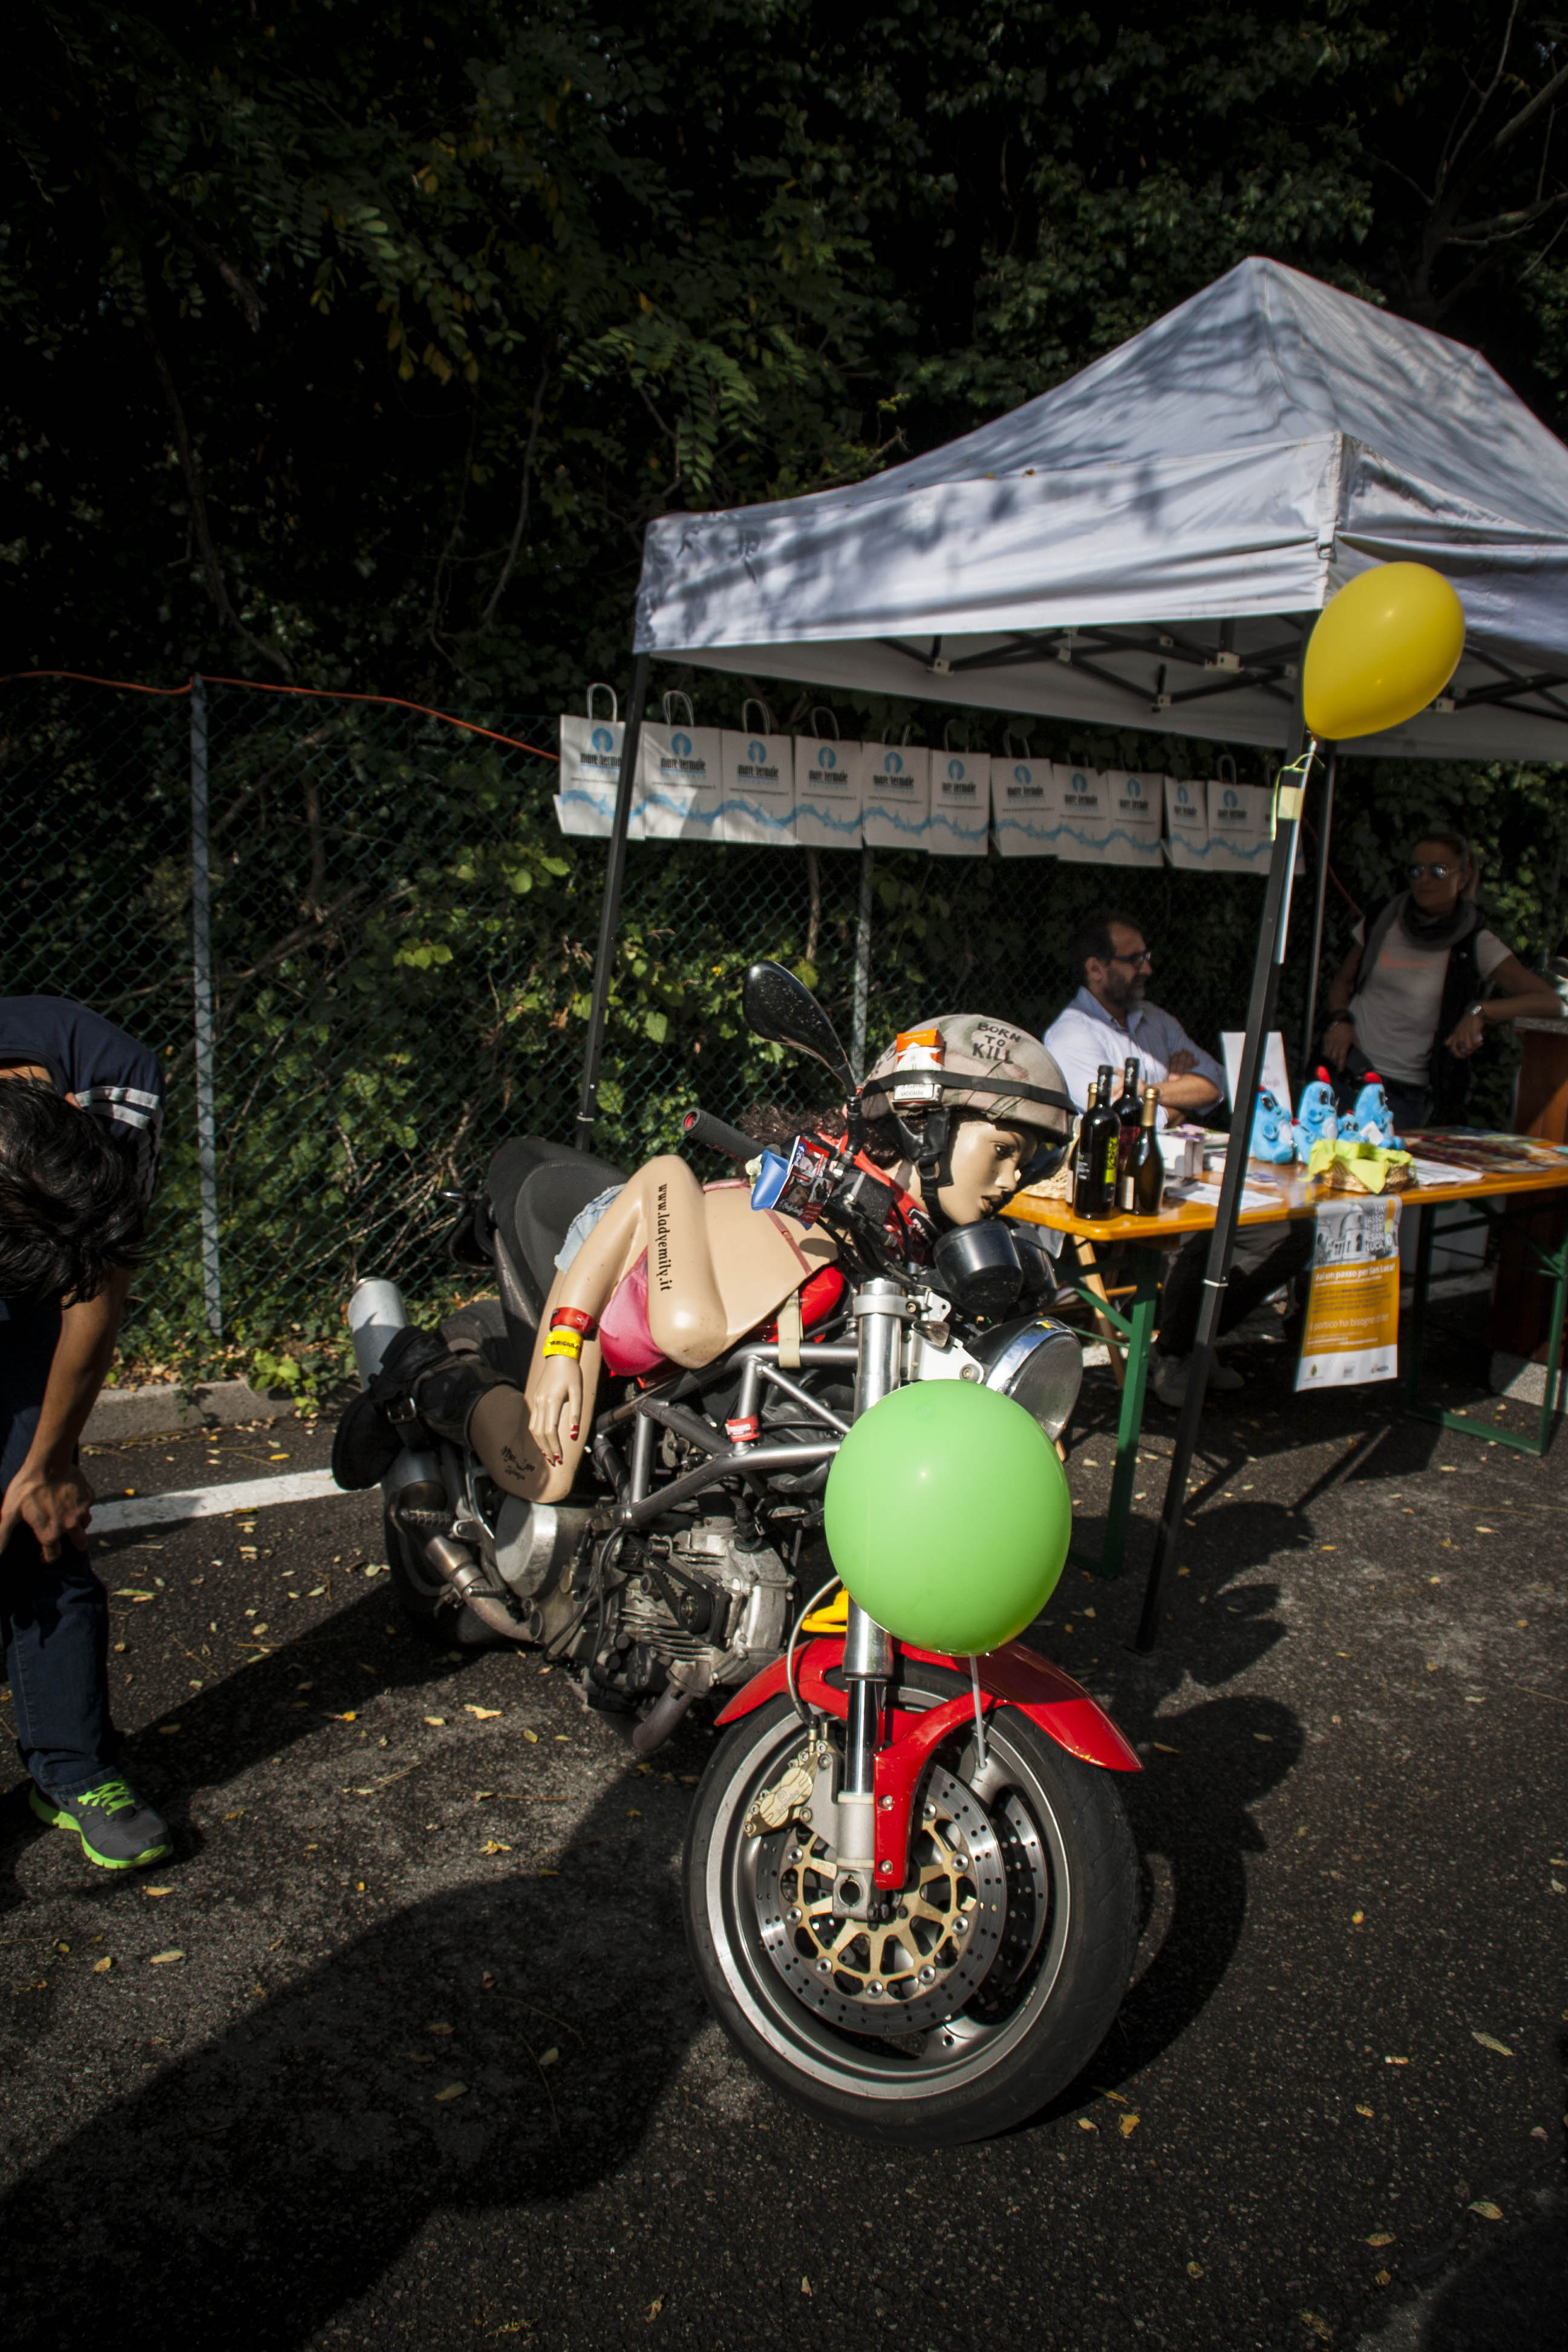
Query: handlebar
point(701, 1127)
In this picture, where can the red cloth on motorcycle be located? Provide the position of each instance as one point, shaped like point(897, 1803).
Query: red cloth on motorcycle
point(818, 1298)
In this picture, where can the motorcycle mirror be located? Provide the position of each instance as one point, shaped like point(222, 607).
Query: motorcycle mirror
point(782, 1009)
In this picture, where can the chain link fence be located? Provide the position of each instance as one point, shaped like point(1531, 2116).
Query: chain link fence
point(401, 950)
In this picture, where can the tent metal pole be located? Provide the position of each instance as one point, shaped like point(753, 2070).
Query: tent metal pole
point(1325, 828)
point(202, 967)
point(1271, 939)
point(610, 907)
point(862, 969)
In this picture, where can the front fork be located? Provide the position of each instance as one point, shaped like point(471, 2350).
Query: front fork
point(881, 1310)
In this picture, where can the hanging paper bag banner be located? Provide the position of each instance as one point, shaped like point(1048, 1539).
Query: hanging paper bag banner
point(757, 771)
point(826, 792)
point(1136, 802)
point(1352, 1330)
point(1239, 838)
point(1082, 811)
point(1020, 807)
point(960, 803)
point(679, 774)
point(1187, 825)
point(895, 809)
point(591, 772)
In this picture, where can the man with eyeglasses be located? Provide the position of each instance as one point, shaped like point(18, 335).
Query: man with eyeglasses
point(1110, 1021)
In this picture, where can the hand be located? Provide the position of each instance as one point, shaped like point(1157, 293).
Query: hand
point(1338, 1039)
point(555, 1409)
point(1467, 1035)
point(55, 1508)
point(1182, 1063)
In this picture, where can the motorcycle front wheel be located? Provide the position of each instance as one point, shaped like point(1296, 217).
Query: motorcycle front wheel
point(997, 1974)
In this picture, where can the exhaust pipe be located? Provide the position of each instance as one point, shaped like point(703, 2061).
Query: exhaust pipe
point(456, 1563)
point(689, 1679)
point(376, 1316)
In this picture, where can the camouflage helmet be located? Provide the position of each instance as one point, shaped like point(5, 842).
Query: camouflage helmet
point(970, 1062)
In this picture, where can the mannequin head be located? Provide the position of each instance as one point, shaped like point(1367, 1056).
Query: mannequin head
point(987, 1162)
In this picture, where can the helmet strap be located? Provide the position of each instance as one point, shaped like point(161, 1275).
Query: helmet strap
point(930, 1146)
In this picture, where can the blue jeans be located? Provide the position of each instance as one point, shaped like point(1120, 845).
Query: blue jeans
point(54, 1615)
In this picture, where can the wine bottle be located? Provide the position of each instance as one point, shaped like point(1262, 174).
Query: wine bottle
point(1143, 1185)
point(1081, 1166)
point(1097, 1139)
point(1126, 1112)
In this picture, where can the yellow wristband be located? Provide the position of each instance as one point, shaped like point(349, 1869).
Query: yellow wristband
point(563, 1342)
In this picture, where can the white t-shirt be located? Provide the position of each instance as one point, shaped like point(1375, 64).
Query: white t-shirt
point(1397, 1006)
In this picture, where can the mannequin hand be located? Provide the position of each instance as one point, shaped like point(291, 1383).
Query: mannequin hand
point(1467, 1037)
point(1338, 1039)
point(555, 1408)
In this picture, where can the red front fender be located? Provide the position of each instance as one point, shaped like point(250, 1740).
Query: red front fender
point(1013, 1675)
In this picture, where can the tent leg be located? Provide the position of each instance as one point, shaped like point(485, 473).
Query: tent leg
point(610, 907)
point(1271, 940)
point(862, 970)
point(1325, 827)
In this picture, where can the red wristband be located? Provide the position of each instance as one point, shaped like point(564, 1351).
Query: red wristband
point(574, 1318)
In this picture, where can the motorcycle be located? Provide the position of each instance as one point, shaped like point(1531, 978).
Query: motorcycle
point(908, 1882)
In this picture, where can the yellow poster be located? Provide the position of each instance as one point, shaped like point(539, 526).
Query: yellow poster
point(1351, 1332)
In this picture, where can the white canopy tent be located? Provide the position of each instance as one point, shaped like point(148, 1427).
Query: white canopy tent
point(1149, 545)
point(1143, 544)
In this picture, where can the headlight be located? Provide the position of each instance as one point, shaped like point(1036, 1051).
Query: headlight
point(1038, 1363)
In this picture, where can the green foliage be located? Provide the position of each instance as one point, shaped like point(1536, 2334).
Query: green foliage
point(360, 342)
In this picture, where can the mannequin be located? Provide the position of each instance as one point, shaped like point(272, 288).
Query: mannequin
point(715, 1268)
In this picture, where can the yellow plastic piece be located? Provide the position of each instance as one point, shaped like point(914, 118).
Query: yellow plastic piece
point(833, 1619)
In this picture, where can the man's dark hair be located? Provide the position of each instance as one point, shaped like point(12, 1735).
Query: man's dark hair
point(1092, 938)
point(71, 1205)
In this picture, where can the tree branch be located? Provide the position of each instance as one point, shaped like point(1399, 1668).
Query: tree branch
point(190, 468)
point(499, 589)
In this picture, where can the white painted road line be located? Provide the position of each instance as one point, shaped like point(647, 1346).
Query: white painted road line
point(210, 1502)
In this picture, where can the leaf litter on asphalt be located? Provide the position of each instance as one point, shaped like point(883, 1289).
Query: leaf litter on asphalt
point(1490, 2041)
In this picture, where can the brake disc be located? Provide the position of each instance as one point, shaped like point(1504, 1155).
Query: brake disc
point(932, 1947)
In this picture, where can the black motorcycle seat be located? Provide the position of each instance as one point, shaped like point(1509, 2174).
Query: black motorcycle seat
point(535, 1188)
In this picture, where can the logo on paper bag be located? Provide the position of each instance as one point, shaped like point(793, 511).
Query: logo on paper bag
point(604, 741)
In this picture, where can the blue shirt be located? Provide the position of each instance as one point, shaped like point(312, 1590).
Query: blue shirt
point(1086, 1035)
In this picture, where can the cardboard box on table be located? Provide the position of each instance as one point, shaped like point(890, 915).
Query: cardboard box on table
point(895, 805)
point(960, 803)
point(828, 785)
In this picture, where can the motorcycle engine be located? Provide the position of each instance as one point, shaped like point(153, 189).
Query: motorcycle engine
point(702, 1594)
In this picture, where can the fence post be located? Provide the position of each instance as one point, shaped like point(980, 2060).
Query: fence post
point(201, 964)
point(862, 969)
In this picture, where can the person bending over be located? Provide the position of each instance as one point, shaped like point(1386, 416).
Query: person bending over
point(80, 1109)
point(1110, 1021)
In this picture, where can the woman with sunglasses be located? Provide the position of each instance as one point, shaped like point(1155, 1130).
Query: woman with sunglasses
point(1411, 999)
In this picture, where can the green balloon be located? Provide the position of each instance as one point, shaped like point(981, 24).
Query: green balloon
point(948, 1515)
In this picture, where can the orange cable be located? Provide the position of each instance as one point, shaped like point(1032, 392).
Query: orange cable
point(321, 693)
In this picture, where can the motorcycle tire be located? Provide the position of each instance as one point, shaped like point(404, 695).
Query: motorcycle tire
point(1051, 1826)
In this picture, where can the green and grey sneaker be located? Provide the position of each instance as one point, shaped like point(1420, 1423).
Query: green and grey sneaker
point(117, 1830)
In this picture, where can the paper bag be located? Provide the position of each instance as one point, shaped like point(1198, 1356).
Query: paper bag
point(757, 768)
point(960, 803)
point(591, 772)
point(1020, 814)
point(895, 809)
point(827, 792)
point(679, 774)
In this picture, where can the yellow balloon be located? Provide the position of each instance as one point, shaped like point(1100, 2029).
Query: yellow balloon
point(1382, 648)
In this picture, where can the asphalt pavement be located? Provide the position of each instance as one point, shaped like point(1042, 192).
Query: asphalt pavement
point(401, 2048)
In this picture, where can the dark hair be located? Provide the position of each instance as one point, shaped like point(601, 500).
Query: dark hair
point(71, 1207)
point(1092, 938)
point(1448, 839)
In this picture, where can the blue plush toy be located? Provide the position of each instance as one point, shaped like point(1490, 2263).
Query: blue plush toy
point(1318, 1121)
point(1372, 1121)
point(1271, 1136)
